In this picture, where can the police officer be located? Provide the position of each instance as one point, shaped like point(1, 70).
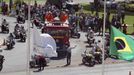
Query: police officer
point(69, 52)
point(16, 27)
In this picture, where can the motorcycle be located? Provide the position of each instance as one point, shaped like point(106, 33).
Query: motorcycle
point(20, 19)
point(98, 57)
point(5, 28)
point(17, 33)
point(22, 36)
point(90, 40)
point(1, 62)
point(75, 33)
point(34, 63)
point(37, 23)
point(106, 51)
point(88, 58)
point(10, 43)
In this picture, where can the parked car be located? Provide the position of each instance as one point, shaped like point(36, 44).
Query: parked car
point(72, 5)
point(109, 3)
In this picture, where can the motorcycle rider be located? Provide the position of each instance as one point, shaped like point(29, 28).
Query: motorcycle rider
point(4, 24)
point(10, 42)
point(97, 52)
point(97, 47)
point(88, 57)
point(89, 29)
point(20, 18)
point(23, 29)
point(90, 32)
point(90, 36)
point(16, 27)
point(11, 38)
point(23, 33)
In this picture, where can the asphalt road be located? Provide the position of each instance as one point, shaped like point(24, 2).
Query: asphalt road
point(112, 69)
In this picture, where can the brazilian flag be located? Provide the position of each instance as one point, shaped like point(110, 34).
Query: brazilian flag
point(121, 45)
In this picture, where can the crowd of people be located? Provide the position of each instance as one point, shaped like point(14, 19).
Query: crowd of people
point(83, 20)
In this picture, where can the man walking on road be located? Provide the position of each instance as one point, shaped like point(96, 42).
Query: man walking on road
point(69, 54)
point(42, 62)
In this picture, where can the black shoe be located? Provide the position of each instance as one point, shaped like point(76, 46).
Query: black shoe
point(39, 69)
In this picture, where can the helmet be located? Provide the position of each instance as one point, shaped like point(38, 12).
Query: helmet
point(89, 28)
point(91, 31)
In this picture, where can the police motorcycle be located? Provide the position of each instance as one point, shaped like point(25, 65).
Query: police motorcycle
point(88, 58)
point(10, 41)
point(98, 57)
point(17, 31)
point(97, 53)
point(20, 19)
point(23, 35)
point(1, 62)
point(5, 26)
point(74, 32)
point(37, 23)
point(34, 62)
point(90, 38)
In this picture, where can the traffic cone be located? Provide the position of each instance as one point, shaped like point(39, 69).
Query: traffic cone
point(129, 72)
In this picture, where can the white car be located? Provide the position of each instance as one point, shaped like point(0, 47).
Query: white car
point(109, 3)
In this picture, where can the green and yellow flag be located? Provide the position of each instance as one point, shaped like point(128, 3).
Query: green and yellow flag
point(121, 45)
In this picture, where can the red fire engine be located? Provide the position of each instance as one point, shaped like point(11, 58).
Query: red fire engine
point(58, 28)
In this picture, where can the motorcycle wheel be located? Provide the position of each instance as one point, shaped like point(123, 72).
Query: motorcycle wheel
point(78, 36)
point(92, 63)
point(32, 64)
point(1, 66)
point(8, 46)
point(83, 60)
point(100, 62)
point(24, 39)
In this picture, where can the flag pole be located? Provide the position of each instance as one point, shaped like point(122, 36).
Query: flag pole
point(103, 39)
point(28, 41)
